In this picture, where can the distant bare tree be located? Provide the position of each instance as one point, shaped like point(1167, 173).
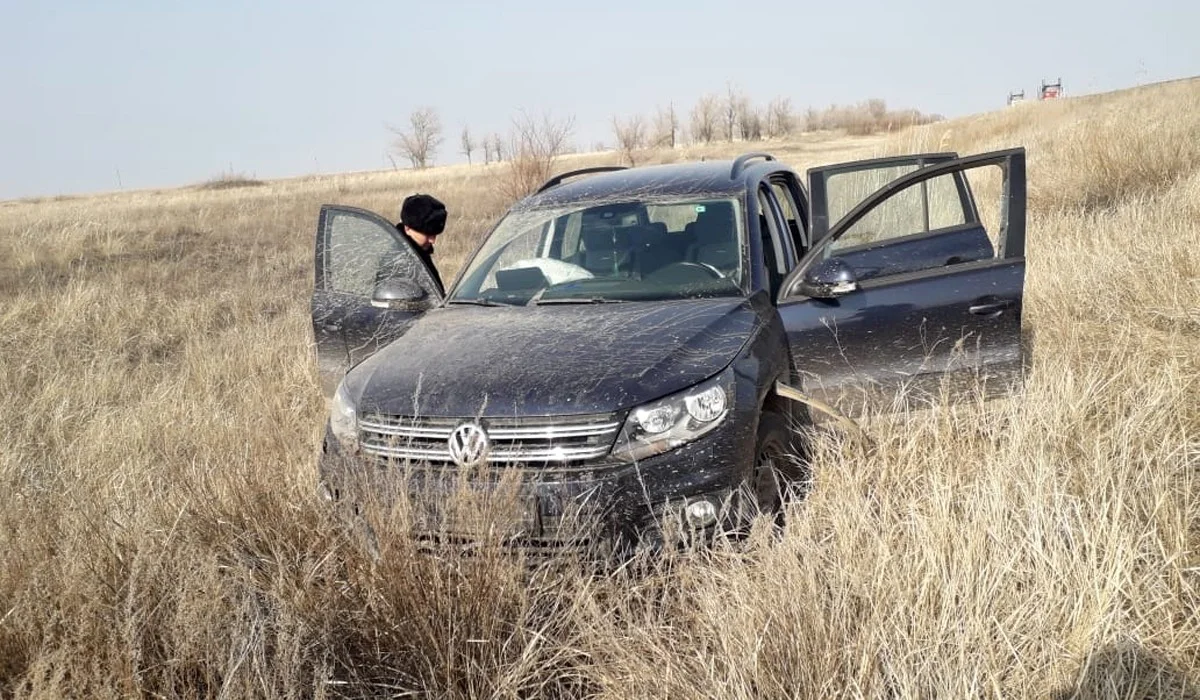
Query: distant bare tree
point(877, 108)
point(534, 146)
point(758, 125)
point(666, 128)
point(468, 144)
point(867, 117)
point(631, 136)
point(487, 149)
point(733, 106)
point(705, 115)
point(749, 121)
point(780, 119)
point(812, 120)
point(498, 147)
point(420, 142)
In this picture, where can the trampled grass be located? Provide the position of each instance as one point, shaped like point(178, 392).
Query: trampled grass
point(160, 535)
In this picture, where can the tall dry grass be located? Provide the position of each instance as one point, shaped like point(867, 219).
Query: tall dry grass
point(160, 537)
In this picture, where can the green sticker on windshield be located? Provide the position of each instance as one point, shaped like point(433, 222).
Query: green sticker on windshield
point(699, 208)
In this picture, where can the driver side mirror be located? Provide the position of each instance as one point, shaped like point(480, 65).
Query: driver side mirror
point(829, 278)
point(399, 293)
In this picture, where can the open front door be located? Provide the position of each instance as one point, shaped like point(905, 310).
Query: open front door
point(910, 289)
point(370, 285)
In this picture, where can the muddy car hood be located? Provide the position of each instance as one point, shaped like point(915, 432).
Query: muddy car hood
point(552, 360)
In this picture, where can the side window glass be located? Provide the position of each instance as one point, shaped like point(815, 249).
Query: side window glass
point(928, 225)
point(359, 254)
point(945, 203)
point(987, 189)
point(843, 191)
point(932, 205)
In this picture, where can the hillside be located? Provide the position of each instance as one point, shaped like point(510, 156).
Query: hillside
point(160, 535)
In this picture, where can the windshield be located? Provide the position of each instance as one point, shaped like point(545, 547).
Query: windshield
point(624, 251)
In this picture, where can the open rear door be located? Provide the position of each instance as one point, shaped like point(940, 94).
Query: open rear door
point(370, 284)
point(909, 290)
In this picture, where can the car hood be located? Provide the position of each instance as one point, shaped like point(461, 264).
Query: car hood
point(552, 360)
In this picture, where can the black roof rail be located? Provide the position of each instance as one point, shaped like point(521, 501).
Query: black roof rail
point(740, 164)
point(582, 171)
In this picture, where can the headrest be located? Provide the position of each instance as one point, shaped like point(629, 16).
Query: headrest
point(715, 224)
point(605, 238)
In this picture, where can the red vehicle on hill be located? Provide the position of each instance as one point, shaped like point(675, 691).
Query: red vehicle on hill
point(1050, 91)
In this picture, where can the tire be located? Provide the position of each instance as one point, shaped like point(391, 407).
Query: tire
point(772, 452)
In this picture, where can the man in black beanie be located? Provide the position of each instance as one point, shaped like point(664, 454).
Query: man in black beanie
point(422, 219)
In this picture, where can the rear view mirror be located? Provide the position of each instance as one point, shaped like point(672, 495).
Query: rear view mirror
point(829, 278)
point(399, 293)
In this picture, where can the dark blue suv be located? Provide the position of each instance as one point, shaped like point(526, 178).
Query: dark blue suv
point(629, 338)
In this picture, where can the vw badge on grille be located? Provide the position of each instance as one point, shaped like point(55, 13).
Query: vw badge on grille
point(468, 444)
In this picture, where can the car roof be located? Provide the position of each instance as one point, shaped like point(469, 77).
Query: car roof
point(650, 182)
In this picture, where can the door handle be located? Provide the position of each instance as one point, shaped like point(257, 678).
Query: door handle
point(331, 327)
point(991, 308)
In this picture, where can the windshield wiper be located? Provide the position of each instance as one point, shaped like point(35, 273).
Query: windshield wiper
point(476, 302)
point(577, 300)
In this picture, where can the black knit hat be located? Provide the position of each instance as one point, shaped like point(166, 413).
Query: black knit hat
point(423, 213)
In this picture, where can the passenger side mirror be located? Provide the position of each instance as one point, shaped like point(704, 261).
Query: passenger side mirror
point(399, 293)
point(829, 278)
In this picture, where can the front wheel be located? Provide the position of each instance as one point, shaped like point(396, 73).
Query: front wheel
point(771, 456)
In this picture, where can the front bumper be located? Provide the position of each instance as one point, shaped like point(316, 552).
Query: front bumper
point(559, 507)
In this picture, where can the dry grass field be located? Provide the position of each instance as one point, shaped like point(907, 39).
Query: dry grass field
point(160, 537)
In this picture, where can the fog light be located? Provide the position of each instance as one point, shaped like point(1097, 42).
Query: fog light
point(701, 513)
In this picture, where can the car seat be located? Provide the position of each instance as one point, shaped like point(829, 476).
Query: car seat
point(713, 238)
point(656, 248)
point(606, 251)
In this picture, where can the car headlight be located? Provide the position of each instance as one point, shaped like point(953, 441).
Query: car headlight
point(675, 420)
point(343, 419)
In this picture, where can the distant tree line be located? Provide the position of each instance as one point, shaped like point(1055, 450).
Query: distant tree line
point(731, 116)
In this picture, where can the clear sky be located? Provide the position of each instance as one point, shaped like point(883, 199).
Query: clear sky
point(168, 93)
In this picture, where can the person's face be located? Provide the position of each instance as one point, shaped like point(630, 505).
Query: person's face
point(423, 240)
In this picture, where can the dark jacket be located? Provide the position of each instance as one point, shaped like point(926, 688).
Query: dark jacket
point(427, 258)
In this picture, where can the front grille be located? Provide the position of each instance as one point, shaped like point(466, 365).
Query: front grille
point(555, 538)
point(532, 441)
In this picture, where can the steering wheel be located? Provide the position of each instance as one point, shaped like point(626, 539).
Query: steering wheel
point(688, 271)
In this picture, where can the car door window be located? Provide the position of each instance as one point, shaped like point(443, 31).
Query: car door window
point(845, 190)
point(930, 206)
point(931, 224)
point(835, 190)
point(358, 253)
